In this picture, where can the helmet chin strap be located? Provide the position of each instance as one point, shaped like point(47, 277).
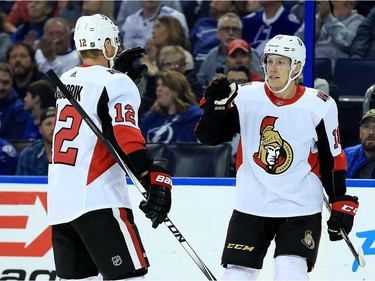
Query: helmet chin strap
point(290, 79)
point(110, 59)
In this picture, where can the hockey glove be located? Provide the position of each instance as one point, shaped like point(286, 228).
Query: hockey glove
point(127, 62)
point(343, 211)
point(158, 203)
point(219, 96)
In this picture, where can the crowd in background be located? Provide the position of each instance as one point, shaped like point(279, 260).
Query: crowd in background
point(187, 45)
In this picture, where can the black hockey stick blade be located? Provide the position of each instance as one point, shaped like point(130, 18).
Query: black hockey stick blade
point(359, 256)
point(176, 233)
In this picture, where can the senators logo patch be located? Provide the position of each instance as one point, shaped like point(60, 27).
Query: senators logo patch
point(274, 155)
point(308, 241)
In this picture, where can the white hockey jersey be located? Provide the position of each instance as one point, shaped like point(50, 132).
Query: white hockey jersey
point(83, 176)
point(279, 174)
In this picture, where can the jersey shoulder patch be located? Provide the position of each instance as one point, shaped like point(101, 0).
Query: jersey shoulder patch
point(323, 96)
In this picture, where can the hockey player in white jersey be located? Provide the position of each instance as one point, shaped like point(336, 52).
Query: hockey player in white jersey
point(93, 229)
point(289, 153)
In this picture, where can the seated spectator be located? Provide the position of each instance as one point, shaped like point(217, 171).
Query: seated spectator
point(261, 26)
point(229, 28)
point(335, 29)
point(39, 96)
point(12, 115)
point(363, 45)
point(129, 7)
point(54, 50)
point(5, 39)
point(171, 57)
point(167, 30)
point(21, 58)
point(204, 35)
point(8, 158)
point(19, 14)
point(71, 11)
point(32, 30)
point(92, 7)
point(238, 74)
point(138, 27)
point(361, 158)
point(239, 54)
point(34, 159)
point(174, 114)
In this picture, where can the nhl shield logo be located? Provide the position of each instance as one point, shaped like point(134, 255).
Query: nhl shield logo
point(116, 260)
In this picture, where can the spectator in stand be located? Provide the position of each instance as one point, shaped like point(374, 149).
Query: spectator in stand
point(12, 115)
point(167, 30)
point(263, 25)
point(92, 7)
point(174, 114)
point(31, 31)
point(239, 54)
point(21, 57)
point(55, 49)
point(39, 96)
point(204, 35)
point(229, 28)
point(71, 11)
point(5, 40)
point(363, 45)
point(129, 7)
point(171, 57)
point(8, 158)
point(19, 14)
point(34, 159)
point(137, 28)
point(361, 157)
point(336, 24)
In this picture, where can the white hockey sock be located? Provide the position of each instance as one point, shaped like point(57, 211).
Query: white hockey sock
point(288, 267)
point(237, 272)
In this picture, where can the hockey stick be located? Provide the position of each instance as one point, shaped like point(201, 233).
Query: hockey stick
point(177, 234)
point(359, 256)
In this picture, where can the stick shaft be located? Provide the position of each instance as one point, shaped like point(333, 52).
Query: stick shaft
point(176, 233)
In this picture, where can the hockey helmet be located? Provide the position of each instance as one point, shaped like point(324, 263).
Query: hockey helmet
point(287, 46)
point(92, 31)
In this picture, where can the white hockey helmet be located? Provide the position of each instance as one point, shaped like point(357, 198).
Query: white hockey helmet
point(92, 31)
point(287, 46)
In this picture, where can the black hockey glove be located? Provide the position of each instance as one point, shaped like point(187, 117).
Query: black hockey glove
point(158, 204)
point(218, 96)
point(343, 211)
point(127, 62)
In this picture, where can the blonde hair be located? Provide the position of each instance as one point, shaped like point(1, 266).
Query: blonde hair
point(176, 82)
point(169, 51)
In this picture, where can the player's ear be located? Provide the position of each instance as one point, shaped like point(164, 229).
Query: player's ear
point(297, 69)
point(109, 49)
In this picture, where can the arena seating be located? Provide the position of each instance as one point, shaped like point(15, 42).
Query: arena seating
point(184, 159)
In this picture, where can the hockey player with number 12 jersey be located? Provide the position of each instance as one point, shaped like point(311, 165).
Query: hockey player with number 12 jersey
point(93, 229)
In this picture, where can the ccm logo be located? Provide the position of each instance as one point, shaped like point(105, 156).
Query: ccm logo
point(349, 209)
point(163, 179)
